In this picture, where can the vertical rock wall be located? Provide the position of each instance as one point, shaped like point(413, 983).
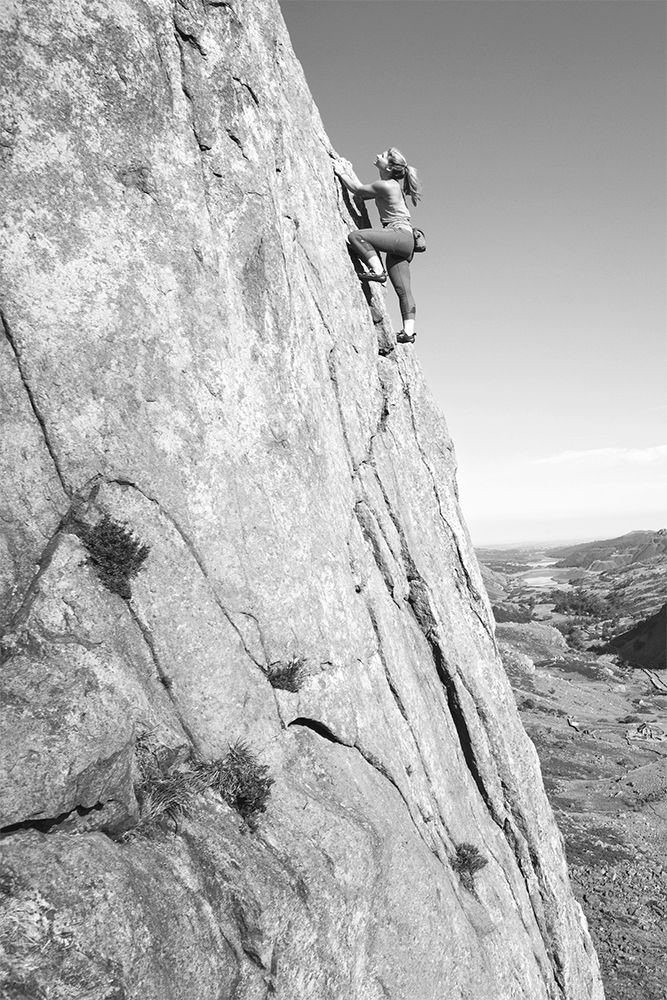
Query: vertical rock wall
point(186, 350)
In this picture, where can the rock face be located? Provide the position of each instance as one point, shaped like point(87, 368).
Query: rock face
point(187, 353)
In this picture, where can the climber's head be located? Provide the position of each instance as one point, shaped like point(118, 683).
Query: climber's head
point(381, 161)
point(393, 164)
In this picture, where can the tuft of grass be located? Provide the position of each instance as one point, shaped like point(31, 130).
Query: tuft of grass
point(243, 782)
point(163, 790)
point(116, 554)
point(171, 780)
point(467, 863)
point(287, 675)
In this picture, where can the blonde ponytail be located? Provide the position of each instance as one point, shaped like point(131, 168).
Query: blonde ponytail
point(402, 172)
point(412, 187)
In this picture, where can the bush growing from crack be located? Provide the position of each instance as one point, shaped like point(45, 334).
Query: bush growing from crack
point(170, 781)
point(243, 782)
point(467, 863)
point(287, 675)
point(116, 554)
point(163, 789)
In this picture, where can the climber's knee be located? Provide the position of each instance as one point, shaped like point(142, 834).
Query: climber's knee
point(357, 241)
point(361, 247)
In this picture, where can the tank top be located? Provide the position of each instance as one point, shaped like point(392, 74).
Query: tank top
point(393, 216)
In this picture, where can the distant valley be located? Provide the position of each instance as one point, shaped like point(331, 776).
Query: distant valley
point(593, 592)
point(581, 631)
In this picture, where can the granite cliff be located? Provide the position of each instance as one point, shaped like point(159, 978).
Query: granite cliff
point(188, 360)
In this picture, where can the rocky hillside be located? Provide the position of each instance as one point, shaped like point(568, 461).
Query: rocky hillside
point(257, 738)
point(644, 645)
point(611, 553)
point(600, 729)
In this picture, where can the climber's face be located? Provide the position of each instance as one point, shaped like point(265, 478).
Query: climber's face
point(382, 160)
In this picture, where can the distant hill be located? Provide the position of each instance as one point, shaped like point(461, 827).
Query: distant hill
point(645, 645)
point(495, 583)
point(613, 553)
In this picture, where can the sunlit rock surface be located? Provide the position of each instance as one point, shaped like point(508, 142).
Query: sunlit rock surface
point(186, 349)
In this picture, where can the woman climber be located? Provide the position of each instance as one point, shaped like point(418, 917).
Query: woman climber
point(396, 238)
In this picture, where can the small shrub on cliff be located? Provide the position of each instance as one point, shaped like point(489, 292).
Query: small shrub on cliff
point(163, 790)
point(467, 863)
point(243, 782)
point(115, 553)
point(170, 781)
point(170, 798)
point(288, 676)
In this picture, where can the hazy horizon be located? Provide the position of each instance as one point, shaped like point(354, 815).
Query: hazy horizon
point(538, 130)
point(556, 542)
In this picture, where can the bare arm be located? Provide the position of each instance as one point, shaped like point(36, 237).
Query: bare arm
point(353, 184)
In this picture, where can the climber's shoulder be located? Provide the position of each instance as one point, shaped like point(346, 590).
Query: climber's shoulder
point(378, 189)
point(386, 189)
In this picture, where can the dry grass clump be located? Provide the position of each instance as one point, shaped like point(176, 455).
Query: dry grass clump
point(164, 789)
point(287, 675)
point(243, 782)
point(115, 553)
point(171, 780)
point(467, 863)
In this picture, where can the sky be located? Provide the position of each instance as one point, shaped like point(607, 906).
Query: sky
point(537, 128)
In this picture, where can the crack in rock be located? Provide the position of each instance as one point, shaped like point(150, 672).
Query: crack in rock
point(188, 36)
point(323, 731)
point(419, 601)
point(32, 590)
point(183, 38)
point(33, 403)
point(162, 673)
point(192, 549)
point(421, 606)
point(474, 593)
point(383, 661)
point(402, 710)
point(49, 824)
point(246, 86)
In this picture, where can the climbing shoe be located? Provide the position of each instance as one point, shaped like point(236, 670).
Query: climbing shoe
point(372, 276)
point(405, 338)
